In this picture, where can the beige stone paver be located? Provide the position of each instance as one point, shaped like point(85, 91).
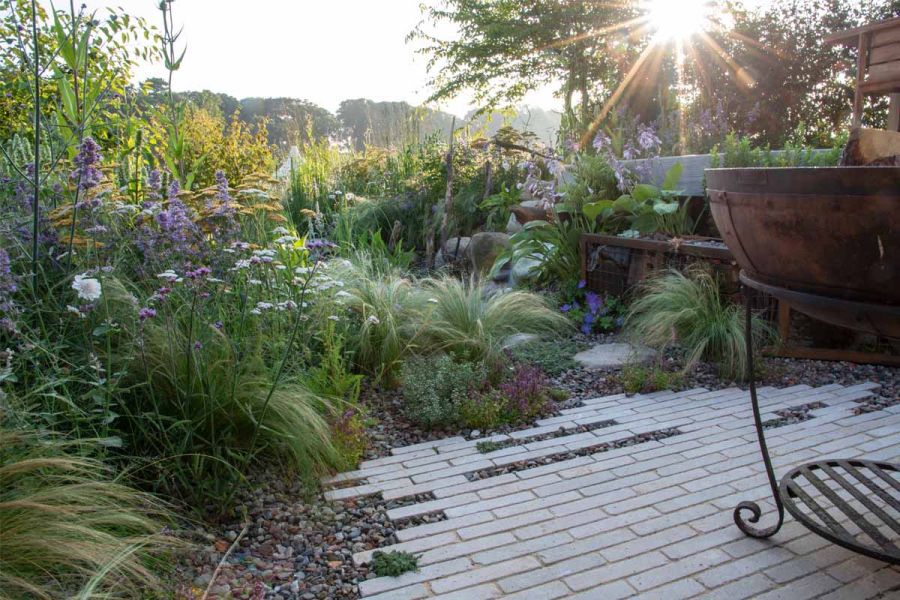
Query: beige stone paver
point(652, 520)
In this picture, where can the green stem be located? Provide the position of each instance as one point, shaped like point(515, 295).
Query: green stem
point(37, 146)
point(278, 373)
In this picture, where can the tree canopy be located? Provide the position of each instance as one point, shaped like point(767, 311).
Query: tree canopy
point(763, 71)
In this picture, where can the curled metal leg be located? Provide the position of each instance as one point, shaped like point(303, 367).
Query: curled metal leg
point(748, 525)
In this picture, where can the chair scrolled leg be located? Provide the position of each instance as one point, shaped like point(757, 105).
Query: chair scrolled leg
point(748, 524)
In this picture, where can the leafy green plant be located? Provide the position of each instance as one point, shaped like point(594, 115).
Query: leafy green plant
point(642, 379)
point(436, 387)
point(463, 319)
point(393, 564)
point(647, 209)
point(593, 180)
point(69, 529)
point(739, 151)
point(688, 310)
point(496, 207)
point(332, 376)
point(558, 394)
point(554, 246)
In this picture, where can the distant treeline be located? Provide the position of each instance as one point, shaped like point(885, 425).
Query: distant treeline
point(359, 122)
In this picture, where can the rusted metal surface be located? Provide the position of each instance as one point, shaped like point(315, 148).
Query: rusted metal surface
point(831, 233)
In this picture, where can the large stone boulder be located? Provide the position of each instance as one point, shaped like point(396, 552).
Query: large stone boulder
point(457, 248)
point(484, 248)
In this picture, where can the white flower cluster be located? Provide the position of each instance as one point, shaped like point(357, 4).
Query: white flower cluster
point(88, 288)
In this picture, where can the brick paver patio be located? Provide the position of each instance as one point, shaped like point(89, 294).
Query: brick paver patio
point(651, 520)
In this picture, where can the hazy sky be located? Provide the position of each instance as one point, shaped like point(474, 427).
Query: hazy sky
point(324, 51)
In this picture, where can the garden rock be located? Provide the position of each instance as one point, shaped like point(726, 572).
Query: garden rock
point(530, 210)
point(607, 356)
point(457, 248)
point(524, 269)
point(513, 225)
point(484, 248)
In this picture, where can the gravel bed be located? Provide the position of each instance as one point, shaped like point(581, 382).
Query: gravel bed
point(582, 384)
point(292, 548)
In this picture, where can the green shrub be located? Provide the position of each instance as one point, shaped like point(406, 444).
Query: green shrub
point(688, 310)
point(435, 388)
point(393, 564)
point(68, 529)
point(645, 380)
point(464, 320)
point(519, 398)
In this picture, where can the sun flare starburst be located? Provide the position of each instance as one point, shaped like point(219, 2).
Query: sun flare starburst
point(678, 19)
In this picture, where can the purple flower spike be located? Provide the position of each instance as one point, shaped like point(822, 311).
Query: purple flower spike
point(86, 174)
point(582, 284)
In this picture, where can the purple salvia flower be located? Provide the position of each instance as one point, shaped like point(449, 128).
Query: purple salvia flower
point(86, 173)
point(154, 182)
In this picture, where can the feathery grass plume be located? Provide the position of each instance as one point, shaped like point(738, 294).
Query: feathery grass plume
point(463, 319)
point(389, 307)
point(67, 529)
point(687, 310)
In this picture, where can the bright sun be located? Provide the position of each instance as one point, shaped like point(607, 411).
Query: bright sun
point(677, 19)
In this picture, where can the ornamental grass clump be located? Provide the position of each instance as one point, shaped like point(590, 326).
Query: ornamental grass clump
point(687, 310)
point(68, 529)
point(388, 308)
point(463, 319)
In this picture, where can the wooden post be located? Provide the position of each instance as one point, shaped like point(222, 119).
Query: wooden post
point(893, 122)
point(784, 323)
point(861, 62)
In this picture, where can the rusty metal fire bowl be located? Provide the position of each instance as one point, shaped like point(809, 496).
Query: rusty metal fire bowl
point(825, 239)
